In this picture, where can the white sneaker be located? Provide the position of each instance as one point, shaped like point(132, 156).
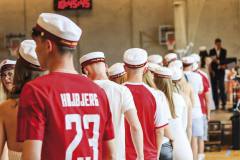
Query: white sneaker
point(201, 156)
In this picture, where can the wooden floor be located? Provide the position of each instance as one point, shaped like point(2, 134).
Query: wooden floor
point(224, 154)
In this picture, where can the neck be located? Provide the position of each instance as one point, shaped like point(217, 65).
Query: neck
point(136, 78)
point(62, 63)
point(187, 69)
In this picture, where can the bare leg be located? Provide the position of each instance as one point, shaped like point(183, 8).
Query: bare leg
point(201, 149)
point(195, 148)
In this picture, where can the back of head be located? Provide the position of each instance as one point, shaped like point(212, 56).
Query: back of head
point(187, 63)
point(149, 79)
point(163, 81)
point(93, 64)
point(117, 73)
point(169, 58)
point(135, 60)
point(120, 80)
point(60, 30)
point(27, 67)
point(156, 59)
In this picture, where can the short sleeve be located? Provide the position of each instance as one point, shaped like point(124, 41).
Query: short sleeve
point(162, 114)
point(127, 100)
point(108, 129)
point(201, 87)
point(206, 84)
point(31, 115)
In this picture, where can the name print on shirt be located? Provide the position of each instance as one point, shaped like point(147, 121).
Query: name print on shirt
point(79, 99)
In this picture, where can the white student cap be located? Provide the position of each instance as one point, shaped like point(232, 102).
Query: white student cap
point(27, 52)
point(155, 58)
point(163, 72)
point(90, 58)
point(116, 70)
point(58, 28)
point(135, 57)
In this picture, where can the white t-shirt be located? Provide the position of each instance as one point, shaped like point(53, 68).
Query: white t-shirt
point(120, 101)
point(181, 109)
point(195, 80)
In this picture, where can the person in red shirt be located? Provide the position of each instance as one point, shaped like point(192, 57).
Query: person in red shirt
point(150, 105)
point(62, 115)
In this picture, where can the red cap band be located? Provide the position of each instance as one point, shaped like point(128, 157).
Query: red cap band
point(135, 66)
point(91, 61)
point(117, 75)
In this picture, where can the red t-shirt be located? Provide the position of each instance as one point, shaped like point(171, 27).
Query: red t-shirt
point(68, 113)
point(206, 87)
point(150, 119)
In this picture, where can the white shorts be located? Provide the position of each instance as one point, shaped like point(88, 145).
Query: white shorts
point(205, 128)
point(197, 127)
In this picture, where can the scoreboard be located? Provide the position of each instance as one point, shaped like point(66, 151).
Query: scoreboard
point(72, 4)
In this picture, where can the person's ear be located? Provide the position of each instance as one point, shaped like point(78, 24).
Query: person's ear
point(85, 71)
point(49, 46)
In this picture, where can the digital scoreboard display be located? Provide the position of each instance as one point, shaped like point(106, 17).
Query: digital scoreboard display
point(72, 4)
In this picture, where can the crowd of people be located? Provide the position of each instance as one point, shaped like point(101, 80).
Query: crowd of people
point(148, 107)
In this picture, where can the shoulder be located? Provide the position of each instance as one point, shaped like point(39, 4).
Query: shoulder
point(5, 106)
point(159, 95)
point(197, 75)
point(110, 85)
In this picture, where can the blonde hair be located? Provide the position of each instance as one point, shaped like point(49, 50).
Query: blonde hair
point(177, 87)
point(149, 79)
point(166, 86)
point(120, 80)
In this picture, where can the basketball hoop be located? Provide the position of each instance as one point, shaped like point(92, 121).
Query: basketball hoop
point(13, 42)
point(13, 49)
point(170, 45)
point(170, 41)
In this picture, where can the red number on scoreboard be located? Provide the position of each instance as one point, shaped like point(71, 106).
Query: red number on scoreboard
point(73, 4)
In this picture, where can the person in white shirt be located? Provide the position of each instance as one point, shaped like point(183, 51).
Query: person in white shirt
point(120, 101)
point(195, 80)
point(183, 88)
point(181, 146)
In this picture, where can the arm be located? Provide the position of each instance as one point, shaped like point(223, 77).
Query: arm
point(2, 137)
point(32, 150)
point(109, 150)
point(130, 113)
point(191, 95)
point(189, 124)
point(136, 131)
point(207, 98)
point(159, 139)
point(167, 133)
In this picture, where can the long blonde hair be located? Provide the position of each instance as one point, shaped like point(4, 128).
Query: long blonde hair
point(166, 86)
point(148, 79)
